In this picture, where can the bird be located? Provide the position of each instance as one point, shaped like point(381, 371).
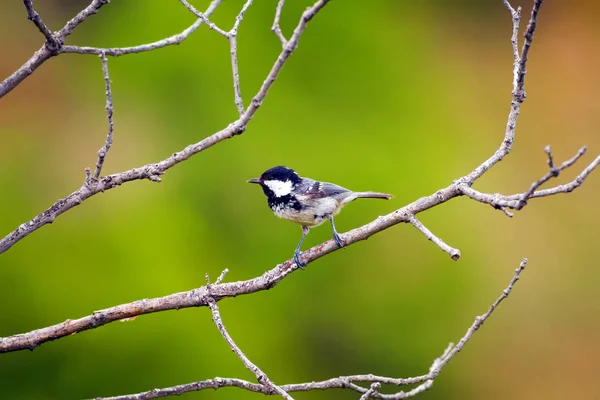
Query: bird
point(306, 201)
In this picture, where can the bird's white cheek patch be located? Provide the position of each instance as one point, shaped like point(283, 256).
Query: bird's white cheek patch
point(280, 188)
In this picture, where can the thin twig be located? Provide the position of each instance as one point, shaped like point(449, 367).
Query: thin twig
point(44, 53)
point(203, 17)
point(154, 170)
point(452, 252)
point(480, 320)
point(109, 115)
point(425, 382)
point(232, 36)
point(514, 39)
point(518, 201)
point(553, 173)
point(276, 27)
point(222, 276)
point(372, 390)
point(82, 16)
point(518, 94)
point(261, 377)
point(51, 42)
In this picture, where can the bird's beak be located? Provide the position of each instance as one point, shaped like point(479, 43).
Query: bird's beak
point(254, 180)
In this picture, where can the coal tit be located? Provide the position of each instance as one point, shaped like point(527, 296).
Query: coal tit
point(306, 201)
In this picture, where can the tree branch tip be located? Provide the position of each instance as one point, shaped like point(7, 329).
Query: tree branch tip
point(222, 276)
point(455, 254)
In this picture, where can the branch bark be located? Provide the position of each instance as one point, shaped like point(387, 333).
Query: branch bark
point(425, 382)
point(210, 294)
point(154, 170)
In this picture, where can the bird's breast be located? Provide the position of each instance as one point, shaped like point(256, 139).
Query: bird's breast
point(312, 212)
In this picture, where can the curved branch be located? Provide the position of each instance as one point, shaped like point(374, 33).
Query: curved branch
point(425, 382)
point(518, 92)
point(153, 171)
point(50, 49)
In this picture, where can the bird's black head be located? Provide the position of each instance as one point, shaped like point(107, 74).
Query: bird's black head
point(280, 173)
point(278, 184)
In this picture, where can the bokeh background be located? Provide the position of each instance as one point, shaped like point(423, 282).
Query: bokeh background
point(391, 96)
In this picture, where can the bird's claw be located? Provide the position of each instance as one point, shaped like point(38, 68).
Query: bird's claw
point(297, 260)
point(338, 240)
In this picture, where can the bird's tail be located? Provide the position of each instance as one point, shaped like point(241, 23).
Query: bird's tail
point(372, 195)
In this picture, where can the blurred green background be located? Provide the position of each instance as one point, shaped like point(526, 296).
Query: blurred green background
point(390, 96)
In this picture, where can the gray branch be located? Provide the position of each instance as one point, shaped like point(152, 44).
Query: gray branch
point(518, 92)
point(51, 42)
point(518, 201)
point(154, 170)
point(261, 377)
point(51, 48)
point(109, 115)
point(452, 252)
point(276, 28)
point(210, 294)
point(231, 35)
point(424, 382)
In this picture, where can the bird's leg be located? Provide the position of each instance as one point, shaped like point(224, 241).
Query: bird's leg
point(337, 237)
point(297, 252)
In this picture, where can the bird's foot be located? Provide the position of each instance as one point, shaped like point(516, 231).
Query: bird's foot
point(338, 240)
point(297, 260)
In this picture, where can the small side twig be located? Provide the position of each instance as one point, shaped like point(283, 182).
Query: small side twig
point(518, 92)
point(480, 320)
point(372, 390)
point(203, 17)
point(452, 252)
point(425, 382)
point(553, 173)
point(514, 39)
point(51, 42)
point(231, 35)
point(276, 27)
point(109, 115)
point(261, 377)
point(518, 201)
point(153, 171)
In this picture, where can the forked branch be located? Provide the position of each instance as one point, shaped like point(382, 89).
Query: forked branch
point(153, 171)
point(351, 382)
point(210, 294)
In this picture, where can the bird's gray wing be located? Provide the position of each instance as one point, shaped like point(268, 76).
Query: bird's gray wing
point(318, 190)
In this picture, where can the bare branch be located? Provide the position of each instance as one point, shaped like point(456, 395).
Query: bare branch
point(46, 52)
point(276, 28)
point(109, 115)
point(480, 320)
point(372, 390)
point(82, 16)
point(51, 42)
point(154, 170)
point(50, 49)
point(203, 17)
point(518, 201)
point(261, 377)
point(516, 20)
point(553, 173)
point(452, 252)
point(222, 276)
point(518, 93)
point(232, 36)
point(425, 382)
